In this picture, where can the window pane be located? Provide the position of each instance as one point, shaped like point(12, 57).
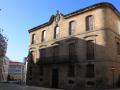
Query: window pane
point(71, 28)
point(72, 49)
point(56, 32)
point(89, 23)
point(43, 35)
point(33, 38)
point(90, 50)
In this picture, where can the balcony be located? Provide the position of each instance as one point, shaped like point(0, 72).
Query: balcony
point(58, 59)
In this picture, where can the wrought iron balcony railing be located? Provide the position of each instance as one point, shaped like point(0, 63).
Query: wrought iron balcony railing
point(58, 59)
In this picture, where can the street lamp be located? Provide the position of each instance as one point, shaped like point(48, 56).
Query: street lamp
point(113, 68)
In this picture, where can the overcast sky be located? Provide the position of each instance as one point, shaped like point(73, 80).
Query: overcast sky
point(18, 16)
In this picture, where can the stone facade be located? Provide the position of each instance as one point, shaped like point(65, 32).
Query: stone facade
point(86, 56)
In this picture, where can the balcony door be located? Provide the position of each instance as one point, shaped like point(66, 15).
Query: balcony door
point(55, 78)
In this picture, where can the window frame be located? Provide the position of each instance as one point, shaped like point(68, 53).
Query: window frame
point(89, 24)
point(71, 49)
point(33, 39)
point(72, 26)
point(90, 55)
point(56, 33)
point(43, 36)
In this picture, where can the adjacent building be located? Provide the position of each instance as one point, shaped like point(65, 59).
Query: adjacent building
point(4, 65)
point(15, 71)
point(79, 49)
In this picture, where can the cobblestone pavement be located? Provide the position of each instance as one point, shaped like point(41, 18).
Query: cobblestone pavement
point(6, 86)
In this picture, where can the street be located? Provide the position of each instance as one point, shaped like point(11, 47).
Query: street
point(6, 86)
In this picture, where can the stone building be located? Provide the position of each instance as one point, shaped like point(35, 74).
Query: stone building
point(79, 49)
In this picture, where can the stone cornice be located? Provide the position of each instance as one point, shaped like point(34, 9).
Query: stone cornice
point(89, 8)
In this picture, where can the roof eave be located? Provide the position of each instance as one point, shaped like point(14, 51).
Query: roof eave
point(80, 11)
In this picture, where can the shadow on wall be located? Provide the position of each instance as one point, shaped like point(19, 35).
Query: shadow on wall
point(68, 51)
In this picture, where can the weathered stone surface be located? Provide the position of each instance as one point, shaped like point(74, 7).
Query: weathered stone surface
point(105, 34)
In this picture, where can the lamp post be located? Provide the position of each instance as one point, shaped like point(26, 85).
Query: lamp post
point(113, 68)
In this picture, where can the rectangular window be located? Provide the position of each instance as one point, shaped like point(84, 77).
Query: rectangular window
point(90, 71)
point(72, 50)
point(33, 39)
point(90, 50)
point(71, 27)
point(56, 32)
point(43, 35)
point(71, 70)
point(89, 23)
